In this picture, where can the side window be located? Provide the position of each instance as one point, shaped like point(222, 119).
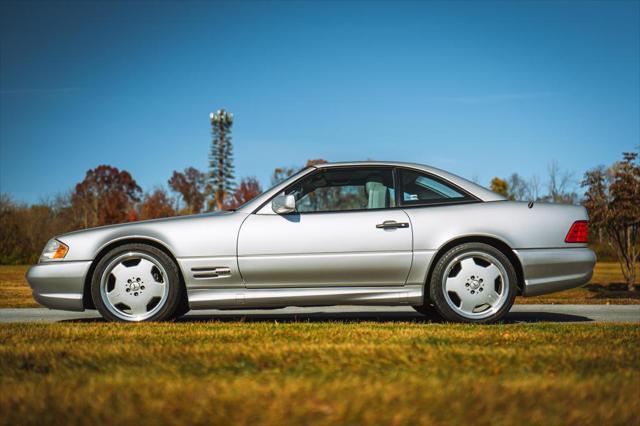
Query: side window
point(344, 189)
point(419, 188)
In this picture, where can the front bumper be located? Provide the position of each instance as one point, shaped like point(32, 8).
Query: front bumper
point(59, 285)
point(550, 270)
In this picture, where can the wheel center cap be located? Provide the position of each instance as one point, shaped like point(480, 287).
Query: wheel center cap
point(134, 284)
point(474, 284)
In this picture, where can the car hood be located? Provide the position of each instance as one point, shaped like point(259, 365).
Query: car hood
point(154, 222)
point(194, 235)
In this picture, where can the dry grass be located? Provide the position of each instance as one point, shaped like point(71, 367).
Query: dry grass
point(15, 292)
point(319, 373)
point(606, 287)
point(14, 289)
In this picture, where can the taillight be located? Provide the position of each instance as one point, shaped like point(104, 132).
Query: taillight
point(579, 232)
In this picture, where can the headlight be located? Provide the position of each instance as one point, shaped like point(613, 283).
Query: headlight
point(54, 250)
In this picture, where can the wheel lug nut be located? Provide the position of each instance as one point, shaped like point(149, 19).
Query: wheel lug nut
point(128, 290)
point(135, 294)
point(480, 289)
point(473, 292)
point(141, 287)
point(467, 284)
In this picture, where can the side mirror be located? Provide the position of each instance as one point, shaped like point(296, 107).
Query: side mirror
point(284, 204)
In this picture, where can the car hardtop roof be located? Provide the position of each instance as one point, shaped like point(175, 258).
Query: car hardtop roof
point(479, 191)
point(378, 163)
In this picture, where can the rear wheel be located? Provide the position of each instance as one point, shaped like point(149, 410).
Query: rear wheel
point(474, 283)
point(136, 282)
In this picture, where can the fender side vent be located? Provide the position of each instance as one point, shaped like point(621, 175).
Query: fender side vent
point(211, 272)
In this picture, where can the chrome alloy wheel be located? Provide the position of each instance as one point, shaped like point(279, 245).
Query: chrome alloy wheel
point(475, 285)
point(134, 286)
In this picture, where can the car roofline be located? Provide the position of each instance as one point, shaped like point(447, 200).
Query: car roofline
point(483, 194)
point(475, 189)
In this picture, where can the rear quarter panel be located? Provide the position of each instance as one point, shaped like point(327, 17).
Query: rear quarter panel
point(544, 226)
point(520, 227)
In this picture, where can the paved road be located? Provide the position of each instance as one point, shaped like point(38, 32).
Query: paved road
point(519, 313)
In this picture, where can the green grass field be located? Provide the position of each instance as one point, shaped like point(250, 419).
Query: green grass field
point(15, 292)
point(397, 373)
point(324, 373)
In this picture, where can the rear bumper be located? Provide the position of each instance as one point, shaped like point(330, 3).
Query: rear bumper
point(59, 285)
point(550, 270)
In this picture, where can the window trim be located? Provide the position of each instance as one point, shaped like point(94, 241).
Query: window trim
point(320, 170)
point(468, 197)
point(269, 199)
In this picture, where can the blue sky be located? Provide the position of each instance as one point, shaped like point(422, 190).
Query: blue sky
point(480, 89)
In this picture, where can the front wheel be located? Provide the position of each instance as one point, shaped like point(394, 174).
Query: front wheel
point(473, 283)
point(136, 282)
point(426, 309)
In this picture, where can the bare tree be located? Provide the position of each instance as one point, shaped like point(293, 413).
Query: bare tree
point(558, 185)
point(24, 229)
point(534, 188)
point(612, 199)
point(517, 188)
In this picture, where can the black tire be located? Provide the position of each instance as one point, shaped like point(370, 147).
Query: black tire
point(437, 292)
point(427, 310)
point(183, 307)
point(174, 293)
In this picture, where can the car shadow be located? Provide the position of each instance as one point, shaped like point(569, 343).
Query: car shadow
point(351, 317)
point(531, 317)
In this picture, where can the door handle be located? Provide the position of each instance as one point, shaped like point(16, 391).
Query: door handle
point(392, 224)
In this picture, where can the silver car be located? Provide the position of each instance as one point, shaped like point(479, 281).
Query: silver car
point(361, 233)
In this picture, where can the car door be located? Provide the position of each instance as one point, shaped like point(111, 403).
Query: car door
point(345, 231)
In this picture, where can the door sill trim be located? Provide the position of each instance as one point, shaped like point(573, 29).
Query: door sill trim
point(304, 296)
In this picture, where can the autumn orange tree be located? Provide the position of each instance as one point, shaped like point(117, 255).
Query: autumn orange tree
point(612, 198)
point(315, 161)
point(280, 174)
point(499, 186)
point(191, 185)
point(248, 189)
point(105, 196)
point(156, 204)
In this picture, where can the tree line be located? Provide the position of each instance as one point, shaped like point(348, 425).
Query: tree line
point(611, 197)
point(108, 196)
point(558, 188)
